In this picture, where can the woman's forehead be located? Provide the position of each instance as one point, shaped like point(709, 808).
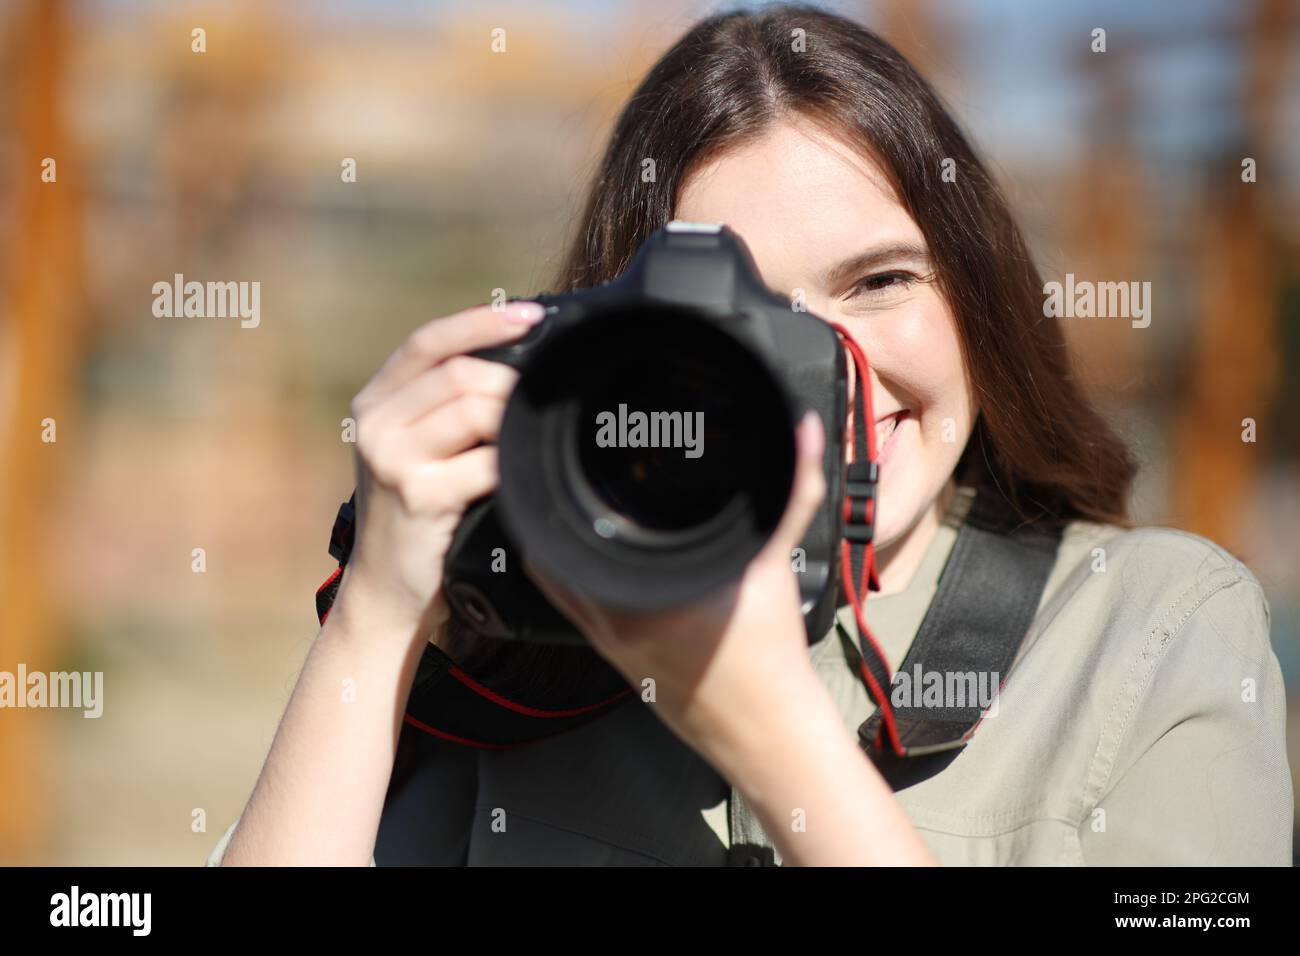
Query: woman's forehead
point(800, 199)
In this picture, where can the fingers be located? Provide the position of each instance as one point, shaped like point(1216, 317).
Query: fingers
point(447, 403)
point(457, 376)
point(459, 424)
point(453, 483)
point(445, 487)
point(395, 455)
point(441, 338)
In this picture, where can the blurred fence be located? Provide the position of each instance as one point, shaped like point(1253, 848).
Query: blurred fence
point(172, 533)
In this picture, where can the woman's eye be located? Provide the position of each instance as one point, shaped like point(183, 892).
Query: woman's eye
point(882, 282)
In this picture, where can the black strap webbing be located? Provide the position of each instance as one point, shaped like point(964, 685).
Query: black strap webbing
point(985, 603)
point(447, 702)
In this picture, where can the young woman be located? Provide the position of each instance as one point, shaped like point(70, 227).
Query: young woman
point(1143, 721)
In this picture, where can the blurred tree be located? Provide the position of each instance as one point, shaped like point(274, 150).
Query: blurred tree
point(1234, 368)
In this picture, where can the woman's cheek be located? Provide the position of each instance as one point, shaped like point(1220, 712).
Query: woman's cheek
point(922, 349)
point(918, 361)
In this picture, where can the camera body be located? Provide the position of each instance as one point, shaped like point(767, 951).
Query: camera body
point(647, 452)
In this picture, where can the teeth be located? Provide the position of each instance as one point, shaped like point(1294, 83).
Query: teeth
point(885, 429)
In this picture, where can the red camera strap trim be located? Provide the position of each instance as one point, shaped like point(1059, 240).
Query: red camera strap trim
point(463, 702)
point(860, 439)
point(466, 711)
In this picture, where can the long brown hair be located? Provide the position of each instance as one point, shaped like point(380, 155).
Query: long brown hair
point(1038, 438)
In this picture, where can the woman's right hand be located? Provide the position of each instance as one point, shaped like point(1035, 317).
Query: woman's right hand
point(421, 425)
point(426, 428)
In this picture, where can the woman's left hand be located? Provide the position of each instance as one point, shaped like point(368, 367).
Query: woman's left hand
point(716, 664)
point(734, 680)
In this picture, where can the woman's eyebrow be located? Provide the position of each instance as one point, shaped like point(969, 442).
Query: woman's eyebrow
point(872, 258)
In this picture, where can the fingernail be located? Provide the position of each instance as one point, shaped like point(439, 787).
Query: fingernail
point(815, 434)
point(524, 313)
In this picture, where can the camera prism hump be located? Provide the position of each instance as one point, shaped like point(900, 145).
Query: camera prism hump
point(647, 451)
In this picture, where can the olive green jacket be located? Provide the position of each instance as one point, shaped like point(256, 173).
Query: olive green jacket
point(1143, 723)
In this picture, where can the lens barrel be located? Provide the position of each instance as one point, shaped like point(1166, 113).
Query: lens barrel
point(646, 456)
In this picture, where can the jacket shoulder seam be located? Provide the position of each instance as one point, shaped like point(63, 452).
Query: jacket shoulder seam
point(1132, 691)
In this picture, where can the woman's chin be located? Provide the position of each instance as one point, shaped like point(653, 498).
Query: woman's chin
point(897, 502)
point(900, 511)
point(888, 534)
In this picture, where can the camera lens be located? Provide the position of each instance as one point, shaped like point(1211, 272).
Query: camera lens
point(671, 435)
point(646, 455)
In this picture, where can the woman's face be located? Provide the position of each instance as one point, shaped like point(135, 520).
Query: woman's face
point(822, 219)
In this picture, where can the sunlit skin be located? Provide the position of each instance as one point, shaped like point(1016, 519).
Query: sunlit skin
point(808, 205)
point(823, 227)
point(733, 677)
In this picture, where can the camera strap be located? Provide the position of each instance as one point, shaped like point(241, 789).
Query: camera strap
point(983, 608)
point(447, 701)
point(985, 603)
point(987, 596)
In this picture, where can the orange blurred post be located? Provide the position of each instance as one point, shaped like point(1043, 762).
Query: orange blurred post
point(41, 333)
point(1235, 366)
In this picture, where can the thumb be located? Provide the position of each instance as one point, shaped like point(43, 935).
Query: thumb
point(809, 485)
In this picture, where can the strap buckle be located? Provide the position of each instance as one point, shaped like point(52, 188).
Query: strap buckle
point(860, 488)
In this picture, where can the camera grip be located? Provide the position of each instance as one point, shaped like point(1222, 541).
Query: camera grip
point(516, 353)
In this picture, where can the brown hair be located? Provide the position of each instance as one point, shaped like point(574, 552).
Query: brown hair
point(1038, 438)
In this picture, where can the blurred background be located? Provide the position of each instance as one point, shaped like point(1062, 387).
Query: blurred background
point(177, 434)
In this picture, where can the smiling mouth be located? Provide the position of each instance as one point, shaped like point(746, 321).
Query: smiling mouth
point(885, 427)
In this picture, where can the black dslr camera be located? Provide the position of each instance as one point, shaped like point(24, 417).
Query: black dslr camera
point(647, 452)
